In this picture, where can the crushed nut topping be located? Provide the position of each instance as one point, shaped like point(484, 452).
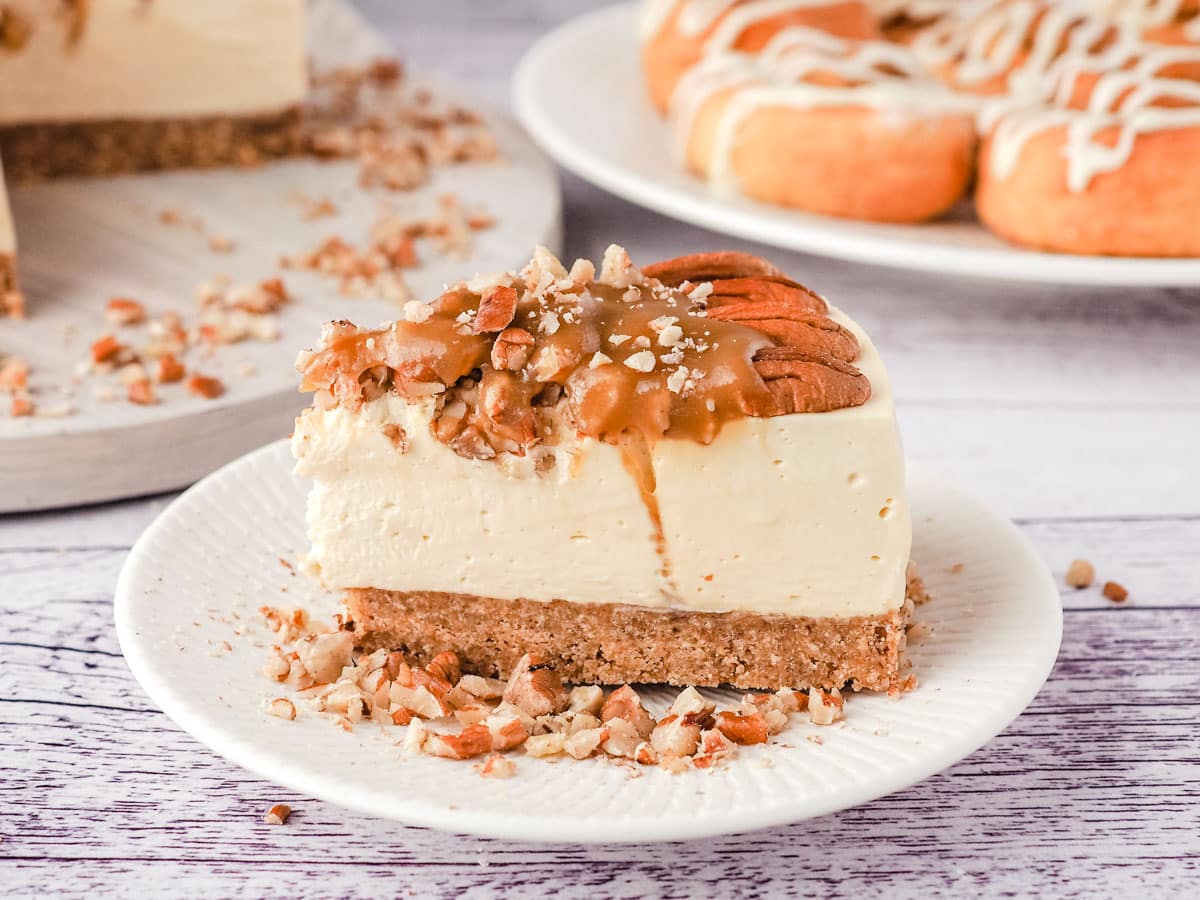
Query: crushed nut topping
point(504, 351)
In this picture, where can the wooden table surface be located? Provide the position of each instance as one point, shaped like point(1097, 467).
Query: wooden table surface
point(1076, 412)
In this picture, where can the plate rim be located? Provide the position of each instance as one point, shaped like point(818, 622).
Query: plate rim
point(822, 236)
point(251, 755)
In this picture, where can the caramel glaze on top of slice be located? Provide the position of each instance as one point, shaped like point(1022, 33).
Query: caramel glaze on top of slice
point(675, 351)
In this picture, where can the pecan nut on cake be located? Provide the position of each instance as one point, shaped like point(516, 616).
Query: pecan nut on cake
point(688, 473)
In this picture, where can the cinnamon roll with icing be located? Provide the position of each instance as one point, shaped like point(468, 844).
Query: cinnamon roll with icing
point(1104, 161)
point(854, 129)
point(676, 34)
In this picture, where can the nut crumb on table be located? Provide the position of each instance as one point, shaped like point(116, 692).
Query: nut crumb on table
point(1080, 574)
point(1115, 592)
point(277, 814)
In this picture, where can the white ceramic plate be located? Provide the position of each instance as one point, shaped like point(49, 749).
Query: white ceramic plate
point(579, 93)
point(85, 240)
point(213, 557)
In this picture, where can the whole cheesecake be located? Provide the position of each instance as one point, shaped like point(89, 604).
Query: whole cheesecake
point(688, 473)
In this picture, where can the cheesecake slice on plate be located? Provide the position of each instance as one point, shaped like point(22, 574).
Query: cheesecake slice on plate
point(688, 473)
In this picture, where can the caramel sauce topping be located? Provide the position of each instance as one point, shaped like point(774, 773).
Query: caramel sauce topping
point(675, 352)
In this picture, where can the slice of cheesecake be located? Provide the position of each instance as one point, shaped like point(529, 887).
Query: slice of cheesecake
point(687, 474)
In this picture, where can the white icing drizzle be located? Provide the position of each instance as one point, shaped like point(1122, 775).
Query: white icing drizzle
point(986, 41)
point(1128, 88)
point(1146, 14)
point(918, 10)
point(879, 75)
point(697, 16)
point(1045, 47)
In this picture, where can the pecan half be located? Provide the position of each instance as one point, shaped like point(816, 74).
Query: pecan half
point(803, 382)
point(696, 267)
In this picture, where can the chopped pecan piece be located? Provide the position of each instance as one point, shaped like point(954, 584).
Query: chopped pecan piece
point(675, 736)
point(511, 350)
point(277, 814)
point(419, 700)
point(141, 392)
point(825, 707)
point(545, 744)
point(446, 666)
point(482, 688)
point(475, 740)
point(124, 311)
point(584, 743)
point(507, 731)
point(691, 702)
point(743, 729)
point(325, 655)
point(497, 307)
point(505, 401)
point(621, 738)
point(624, 703)
point(168, 369)
point(105, 348)
point(1115, 592)
point(535, 687)
point(204, 386)
point(497, 766)
point(587, 698)
point(1080, 574)
point(282, 708)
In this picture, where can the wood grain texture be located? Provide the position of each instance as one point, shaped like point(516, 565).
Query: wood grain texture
point(1074, 411)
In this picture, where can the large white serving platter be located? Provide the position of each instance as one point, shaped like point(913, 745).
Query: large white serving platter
point(85, 240)
point(203, 568)
point(579, 93)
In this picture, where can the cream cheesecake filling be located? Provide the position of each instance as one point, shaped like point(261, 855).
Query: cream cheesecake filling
point(798, 515)
point(131, 59)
